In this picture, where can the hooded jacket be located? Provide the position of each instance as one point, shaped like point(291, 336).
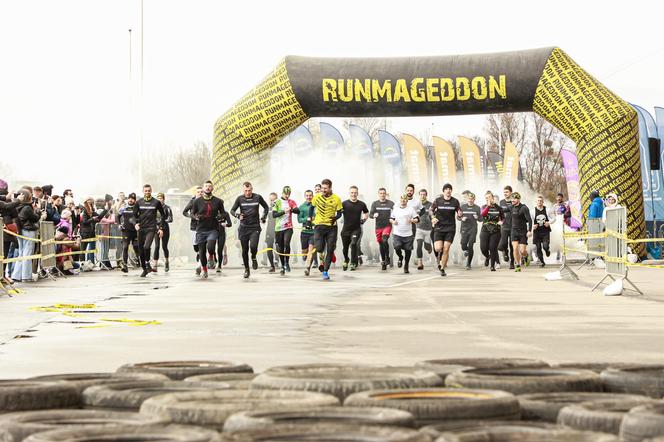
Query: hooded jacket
point(596, 206)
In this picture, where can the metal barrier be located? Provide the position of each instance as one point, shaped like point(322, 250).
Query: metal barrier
point(47, 236)
point(109, 241)
point(594, 244)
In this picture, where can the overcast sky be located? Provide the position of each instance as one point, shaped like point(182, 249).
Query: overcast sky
point(65, 89)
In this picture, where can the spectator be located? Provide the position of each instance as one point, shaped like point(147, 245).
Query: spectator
point(596, 205)
point(28, 224)
point(53, 209)
point(89, 220)
point(107, 219)
point(65, 232)
point(611, 202)
point(9, 216)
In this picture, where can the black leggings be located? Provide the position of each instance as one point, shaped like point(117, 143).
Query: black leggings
point(283, 240)
point(406, 258)
point(145, 239)
point(384, 247)
point(249, 240)
point(269, 242)
point(505, 243)
point(468, 244)
point(351, 240)
point(221, 243)
point(202, 256)
point(325, 241)
point(489, 244)
point(541, 241)
point(130, 238)
point(163, 242)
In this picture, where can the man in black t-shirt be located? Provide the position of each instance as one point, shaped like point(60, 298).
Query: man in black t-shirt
point(249, 204)
point(381, 211)
point(355, 214)
point(208, 210)
point(505, 244)
point(471, 216)
point(521, 229)
point(444, 211)
point(147, 225)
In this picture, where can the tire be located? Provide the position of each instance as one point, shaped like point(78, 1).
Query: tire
point(545, 406)
point(237, 381)
point(178, 370)
point(646, 380)
point(597, 367)
point(20, 395)
point(211, 409)
point(342, 380)
point(14, 427)
point(328, 432)
point(486, 362)
point(441, 404)
point(499, 434)
point(643, 422)
point(526, 380)
point(604, 416)
point(146, 433)
point(255, 420)
point(84, 380)
point(435, 430)
point(130, 395)
point(442, 370)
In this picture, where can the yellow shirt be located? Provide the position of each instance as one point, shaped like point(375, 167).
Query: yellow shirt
point(326, 209)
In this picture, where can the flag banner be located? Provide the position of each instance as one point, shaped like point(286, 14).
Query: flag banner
point(302, 143)
point(416, 162)
point(445, 162)
point(390, 149)
point(494, 169)
point(330, 140)
point(360, 141)
point(472, 166)
point(571, 167)
point(510, 165)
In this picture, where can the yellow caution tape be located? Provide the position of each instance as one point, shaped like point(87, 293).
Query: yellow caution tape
point(109, 237)
point(96, 326)
point(132, 322)
point(585, 235)
point(21, 258)
point(21, 236)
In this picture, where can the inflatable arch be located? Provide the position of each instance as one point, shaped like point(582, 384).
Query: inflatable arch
point(546, 81)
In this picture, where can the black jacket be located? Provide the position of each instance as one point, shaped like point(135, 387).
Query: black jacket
point(187, 213)
point(208, 211)
point(146, 212)
point(27, 218)
point(88, 223)
point(8, 210)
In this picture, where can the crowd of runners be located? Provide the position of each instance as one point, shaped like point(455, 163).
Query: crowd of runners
point(413, 223)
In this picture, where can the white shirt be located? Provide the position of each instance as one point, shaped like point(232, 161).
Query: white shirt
point(415, 203)
point(403, 216)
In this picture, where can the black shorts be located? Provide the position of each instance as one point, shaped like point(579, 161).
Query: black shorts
point(520, 235)
point(403, 242)
point(245, 232)
point(306, 239)
point(443, 236)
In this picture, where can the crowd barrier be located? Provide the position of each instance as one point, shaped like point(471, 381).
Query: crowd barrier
point(610, 244)
point(107, 240)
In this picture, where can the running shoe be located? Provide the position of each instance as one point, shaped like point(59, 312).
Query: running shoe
point(547, 252)
point(542, 264)
point(254, 264)
point(506, 257)
point(321, 267)
point(287, 267)
point(198, 271)
point(282, 272)
point(420, 265)
point(493, 269)
point(405, 269)
point(219, 269)
point(512, 266)
point(442, 272)
point(345, 265)
point(326, 276)
point(211, 262)
point(153, 269)
point(167, 267)
point(125, 269)
point(528, 259)
point(400, 262)
point(204, 275)
point(272, 270)
point(246, 272)
point(145, 273)
point(486, 262)
point(517, 269)
point(467, 267)
point(383, 266)
point(306, 272)
point(353, 267)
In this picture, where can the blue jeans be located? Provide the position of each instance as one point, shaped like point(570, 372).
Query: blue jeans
point(11, 253)
point(89, 246)
point(23, 269)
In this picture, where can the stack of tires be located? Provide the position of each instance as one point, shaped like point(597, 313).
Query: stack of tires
point(436, 400)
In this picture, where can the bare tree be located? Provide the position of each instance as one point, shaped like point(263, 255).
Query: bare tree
point(500, 128)
point(370, 124)
point(181, 169)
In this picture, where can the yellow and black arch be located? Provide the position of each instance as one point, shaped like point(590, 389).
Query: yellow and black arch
point(547, 81)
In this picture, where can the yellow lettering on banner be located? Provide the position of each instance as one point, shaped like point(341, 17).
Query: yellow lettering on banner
point(497, 87)
point(416, 92)
point(378, 91)
point(401, 91)
point(362, 88)
point(462, 88)
point(329, 89)
point(479, 88)
point(432, 89)
point(345, 93)
point(446, 89)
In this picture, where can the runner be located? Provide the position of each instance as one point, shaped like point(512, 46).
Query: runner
point(505, 245)
point(542, 230)
point(381, 211)
point(145, 213)
point(307, 233)
point(471, 214)
point(270, 232)
point(444, 209)
point(328, 209)
point(403, 219)
point(208, 210)
point(250, 228)
point(423, 231)
point(163, 242)
point(318, 189)
point(129, 234)
point(521, 230)
point(283, 215)
point(355, 214)
point(222, 254)
point(492, 217)
point(193, 223)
